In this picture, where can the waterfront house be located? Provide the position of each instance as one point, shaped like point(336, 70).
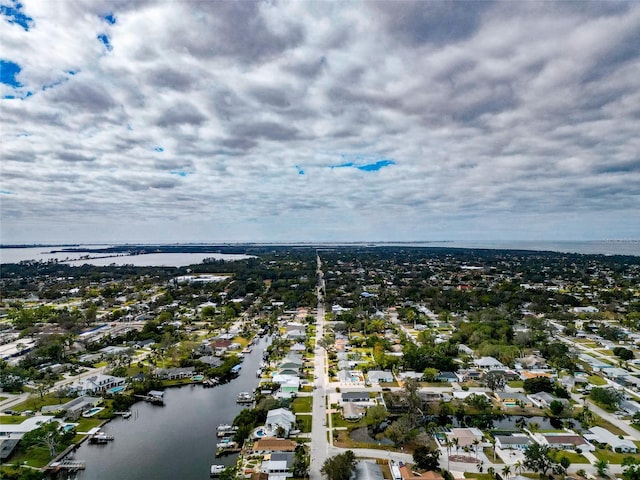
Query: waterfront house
point(73, 408)
point(544, 399)
point(97, 384)
point(516, 441)
point(280, 418)
point(602, 435)
point(278, 464)
point(511, 399)
point(17, 430)
point(174, 373)
point(272, 445)
point(465, 437)
point(566, 441)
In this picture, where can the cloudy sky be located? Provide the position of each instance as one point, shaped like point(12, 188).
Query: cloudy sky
point(185, 121)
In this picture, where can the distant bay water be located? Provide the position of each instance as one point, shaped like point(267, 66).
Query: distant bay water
point(178, 259)
point(44, 254)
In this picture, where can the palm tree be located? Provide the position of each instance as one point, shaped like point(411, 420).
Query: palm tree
point(506, 471)
point(480, 466)
point(602, 466)
point(491, 471)
point(476, 442)
point(519, 466)
point(448, 445)
point(492, 441)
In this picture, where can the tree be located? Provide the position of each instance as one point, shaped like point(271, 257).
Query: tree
point(301, 462)
point(556, 407)
point(375, 416)
point(601, 467)
point(632, 469)
point(426, 458)
point(506, 471)
point(538, 384)
point(536, 458)
point(623, 353)
point(495, 381)
point(48, 435)
point(339, 467)
point(608, 397)
point(429, 374)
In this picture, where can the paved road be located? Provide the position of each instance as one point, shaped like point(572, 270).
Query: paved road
point(319, 442)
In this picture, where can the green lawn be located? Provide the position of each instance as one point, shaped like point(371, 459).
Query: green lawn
point(86, 424)
point(516, 383)
point(613, 457)
point(12, 419)
point(35, 457)
point(302, 404)
point(337, 421)
point(572, 456)
point(596, 380)
point(304, 423)
point(2, 399)
point(488, 451)
point(35, 403)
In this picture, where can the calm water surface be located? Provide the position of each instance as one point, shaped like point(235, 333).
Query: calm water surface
point(176, 441)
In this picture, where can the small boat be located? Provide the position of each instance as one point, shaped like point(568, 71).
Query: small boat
point(226, 427)
point(244, 397)
point(126, 415)
point(216, 470)
point(226, 444)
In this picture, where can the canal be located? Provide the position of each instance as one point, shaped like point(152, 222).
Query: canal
point(177, 440)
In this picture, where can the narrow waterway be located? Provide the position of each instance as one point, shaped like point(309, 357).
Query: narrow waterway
point(174, 441)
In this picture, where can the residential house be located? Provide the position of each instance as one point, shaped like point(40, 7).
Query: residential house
point(544, 399)
point(513, 399)
point(566, 441)
point(488, 363)
point(273, 445)
point(174, 373)
point(280, 417)
point(279, 464)
point(352, 412)
point(465, 437)
point(73, 408)
point(448, 377)
point(368, 470)
point(97, 384)
point(356, 397)
point(516, 441)
point(380, 376)
point(602, 435)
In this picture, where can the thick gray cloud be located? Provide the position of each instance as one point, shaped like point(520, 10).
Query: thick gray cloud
point(220, 121)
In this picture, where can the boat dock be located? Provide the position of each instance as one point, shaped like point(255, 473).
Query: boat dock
point(68, 465)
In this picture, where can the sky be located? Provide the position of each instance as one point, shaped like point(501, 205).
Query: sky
point(284, 121)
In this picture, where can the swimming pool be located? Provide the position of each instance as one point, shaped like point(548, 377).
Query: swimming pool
point(92, 412)
point(116, 389)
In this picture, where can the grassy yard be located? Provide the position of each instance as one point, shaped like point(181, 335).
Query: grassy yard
point(596, 380)
point(488, 451)
point(613, 457)
point(34, 402)
point(12, 419)
point(35, 457)
point(516, 383)
point(573, 457)
point(337, 421)
point(302, 404)
point(609, 426)
point(304, 423)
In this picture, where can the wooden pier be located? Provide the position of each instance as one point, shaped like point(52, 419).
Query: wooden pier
point(68, 465)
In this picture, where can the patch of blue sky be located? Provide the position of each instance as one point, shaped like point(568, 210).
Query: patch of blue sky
point(71, 72)
point(300, 170)
point(5, 192)
point(18, 97)
point(8, 72)
point(109, 18)
point(158, 149)
point(180, 173)
point(104, 39)
point(364, 163)
point(14, 14)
